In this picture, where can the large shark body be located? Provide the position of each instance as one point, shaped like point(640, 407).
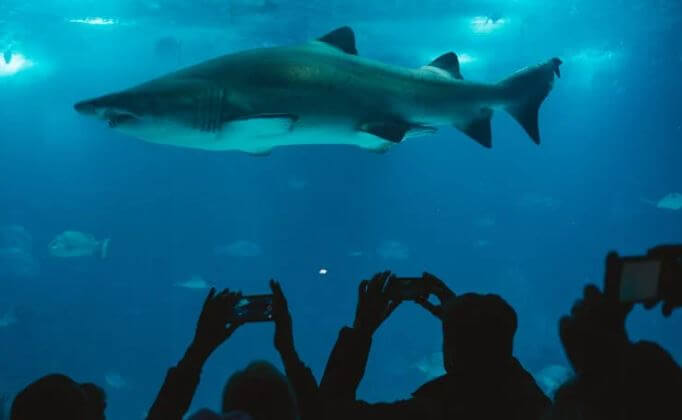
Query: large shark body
point(320, 92)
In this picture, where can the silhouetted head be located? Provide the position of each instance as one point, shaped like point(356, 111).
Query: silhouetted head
point(262, 391)
point(478, 333)
point(58, 397)
point(97, 401)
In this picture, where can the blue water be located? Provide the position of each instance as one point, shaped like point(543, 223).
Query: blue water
point(532, 223)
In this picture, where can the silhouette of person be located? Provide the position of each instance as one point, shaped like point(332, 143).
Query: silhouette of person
point(3, 399)
point(616, 379)
point(483, 380)
point(57, 396)
point(258, 391)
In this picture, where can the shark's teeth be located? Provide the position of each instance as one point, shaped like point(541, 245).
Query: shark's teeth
point(117, 119)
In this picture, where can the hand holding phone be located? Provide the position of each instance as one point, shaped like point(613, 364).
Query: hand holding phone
point(670, 284)
point(419, 289)
point(215, 324)
point(648, 279)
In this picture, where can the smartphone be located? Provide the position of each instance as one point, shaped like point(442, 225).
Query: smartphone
point(254, 308)
point(640, 279)
point(407, 288)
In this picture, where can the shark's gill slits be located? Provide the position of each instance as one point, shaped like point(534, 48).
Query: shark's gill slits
point(209, 113)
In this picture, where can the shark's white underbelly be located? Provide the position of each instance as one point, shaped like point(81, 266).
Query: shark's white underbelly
point(260, 136)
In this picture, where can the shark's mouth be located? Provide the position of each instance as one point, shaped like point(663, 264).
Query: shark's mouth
point(115, 119)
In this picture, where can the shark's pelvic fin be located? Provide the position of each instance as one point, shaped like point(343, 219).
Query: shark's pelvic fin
point(380, 149)
point(448, 63)
point(479, 128)
point(396, 131)
point(342, 38)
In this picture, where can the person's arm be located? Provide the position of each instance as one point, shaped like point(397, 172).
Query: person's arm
point(301, 377)
point(342, 375)
point(2, 406)
point(346, 365)
point(181, 382)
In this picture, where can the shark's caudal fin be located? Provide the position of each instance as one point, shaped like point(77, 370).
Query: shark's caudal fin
point(526, 90)
point(104, 248)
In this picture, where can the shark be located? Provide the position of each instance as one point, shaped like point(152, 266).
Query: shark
point(318, 92)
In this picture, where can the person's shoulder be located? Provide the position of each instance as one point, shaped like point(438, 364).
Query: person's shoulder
point(434, 388)
point(646, 358)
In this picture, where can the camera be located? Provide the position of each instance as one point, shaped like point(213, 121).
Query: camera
point(407, 288)
point(648, 278)
point(254, 308)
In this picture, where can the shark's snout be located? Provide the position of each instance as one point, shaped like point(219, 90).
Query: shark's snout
point(86, 108)
point(106, 108)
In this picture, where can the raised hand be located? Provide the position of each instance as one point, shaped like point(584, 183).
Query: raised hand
point(284, 335)
point(438, 288)
point(594, 333)
point(670, 290)
point(374, 304)
point(212, 327)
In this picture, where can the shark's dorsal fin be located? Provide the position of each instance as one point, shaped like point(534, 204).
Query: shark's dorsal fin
point(449, 63)
point(342, 38)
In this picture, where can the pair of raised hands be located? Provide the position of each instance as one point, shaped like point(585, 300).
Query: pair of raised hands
point(594, 333)
point(375, 304)
point(216, 322)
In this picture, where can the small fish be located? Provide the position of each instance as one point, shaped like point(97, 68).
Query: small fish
point(431, 366)
point(481, 243)
point(485, 221)
point(115, 380)
point(393, 250)
point(8, 319)
point(72, 243)
point(7, 56)
point(551, 377)
point(239, 249)
point(672, 201)
point(296, 184)
point(195, 282)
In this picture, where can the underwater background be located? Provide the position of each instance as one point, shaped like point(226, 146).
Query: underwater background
point(532, 223)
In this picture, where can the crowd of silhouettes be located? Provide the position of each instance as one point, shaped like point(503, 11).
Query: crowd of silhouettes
point(614, 378)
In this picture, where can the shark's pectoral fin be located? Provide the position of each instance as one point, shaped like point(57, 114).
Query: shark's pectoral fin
point(478, 128)
point(261, 125)
point(342, 38)
point(447, 63)
point(395, 131)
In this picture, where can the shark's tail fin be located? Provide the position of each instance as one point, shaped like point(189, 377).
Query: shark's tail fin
point(526, 90)
point(104, 248)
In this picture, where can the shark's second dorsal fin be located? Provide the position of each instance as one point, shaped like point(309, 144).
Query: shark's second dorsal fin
point(449, 63)
point(342, 38)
